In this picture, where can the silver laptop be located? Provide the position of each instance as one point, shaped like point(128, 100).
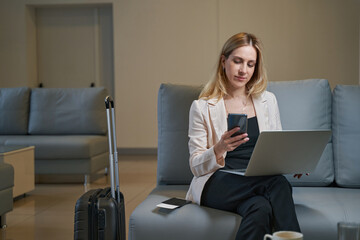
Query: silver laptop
point(285, 152)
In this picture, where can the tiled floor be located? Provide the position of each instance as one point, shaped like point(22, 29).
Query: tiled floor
point(48, 211)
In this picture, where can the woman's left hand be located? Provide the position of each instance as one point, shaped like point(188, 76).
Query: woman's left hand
point(299, 175)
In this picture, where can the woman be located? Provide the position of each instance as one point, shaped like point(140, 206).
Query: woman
point(265, 203)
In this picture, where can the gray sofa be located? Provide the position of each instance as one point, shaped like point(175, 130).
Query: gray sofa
point(67, 126)
point(6, 191)
point(329, 195)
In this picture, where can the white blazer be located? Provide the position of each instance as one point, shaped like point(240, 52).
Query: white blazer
point(207, 123)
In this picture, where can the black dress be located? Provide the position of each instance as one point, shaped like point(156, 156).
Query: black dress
point(239, 157)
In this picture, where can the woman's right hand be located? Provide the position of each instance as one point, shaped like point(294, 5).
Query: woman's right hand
point(228, 143)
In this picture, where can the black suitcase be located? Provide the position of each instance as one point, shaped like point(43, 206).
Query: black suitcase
point(100, 213)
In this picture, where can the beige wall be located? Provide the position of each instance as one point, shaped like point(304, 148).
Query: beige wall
point(160, 41)
point(177, 41)
point(302, 39)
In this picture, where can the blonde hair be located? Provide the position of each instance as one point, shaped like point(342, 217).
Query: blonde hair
point(216, 87)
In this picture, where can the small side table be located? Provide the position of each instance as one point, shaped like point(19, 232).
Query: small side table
point(22, 159)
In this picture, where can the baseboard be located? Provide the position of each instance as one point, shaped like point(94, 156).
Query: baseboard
point(137, 151)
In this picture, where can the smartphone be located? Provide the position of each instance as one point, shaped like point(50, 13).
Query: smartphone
point(237, 120)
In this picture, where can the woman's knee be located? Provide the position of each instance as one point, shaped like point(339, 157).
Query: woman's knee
point(282, 181)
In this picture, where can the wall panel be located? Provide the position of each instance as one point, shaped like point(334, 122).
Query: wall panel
point(160, 41)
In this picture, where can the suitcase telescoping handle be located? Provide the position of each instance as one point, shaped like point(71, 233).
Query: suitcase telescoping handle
point(113, 155)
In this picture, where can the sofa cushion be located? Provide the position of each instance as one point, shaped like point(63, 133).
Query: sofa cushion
point(318, 209)
point(149, 222)
point(62, 147)
point(346, 135)
point(67, 111)
point(174, 103)
point(14, 110)
point(73, 165)
point(306, 105)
